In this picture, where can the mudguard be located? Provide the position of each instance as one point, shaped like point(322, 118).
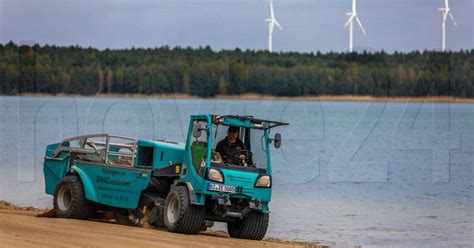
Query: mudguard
point(89, 190)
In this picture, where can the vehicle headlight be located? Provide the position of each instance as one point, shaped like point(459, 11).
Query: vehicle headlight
point(263, 181)
point(215, 175)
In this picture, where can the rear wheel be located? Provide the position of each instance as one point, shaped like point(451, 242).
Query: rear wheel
point(155, 216)
point(179, 215)
point(70, 200)
point(252, 226)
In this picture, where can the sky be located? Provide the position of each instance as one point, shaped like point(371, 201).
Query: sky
point(308, 25)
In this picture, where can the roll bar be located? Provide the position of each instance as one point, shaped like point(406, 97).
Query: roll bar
point(102, 155)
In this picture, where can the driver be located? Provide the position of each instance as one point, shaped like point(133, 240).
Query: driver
point(230, 145)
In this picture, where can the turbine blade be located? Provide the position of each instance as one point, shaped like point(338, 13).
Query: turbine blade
point(278, 25)
point(272, 13)
point(347, 23)
point(452, 18)
point(353, 6)
point(360, 25)
point(349, 20)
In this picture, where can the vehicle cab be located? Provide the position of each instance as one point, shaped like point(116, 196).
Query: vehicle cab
point(230, 182)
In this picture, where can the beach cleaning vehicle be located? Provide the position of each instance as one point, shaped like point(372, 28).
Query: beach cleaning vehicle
point(183, 187)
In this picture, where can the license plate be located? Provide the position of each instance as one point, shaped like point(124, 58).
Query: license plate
point(221, 188)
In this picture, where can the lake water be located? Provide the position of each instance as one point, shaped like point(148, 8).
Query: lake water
point(348, 173)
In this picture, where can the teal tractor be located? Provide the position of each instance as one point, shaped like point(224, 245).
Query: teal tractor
point(183, 187)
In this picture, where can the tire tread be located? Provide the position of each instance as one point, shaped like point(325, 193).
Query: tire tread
point(81, 208)
point(253, 226)
point(190, 218)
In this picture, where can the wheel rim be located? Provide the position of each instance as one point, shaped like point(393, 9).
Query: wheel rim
point(64, 198)
point(172, 210)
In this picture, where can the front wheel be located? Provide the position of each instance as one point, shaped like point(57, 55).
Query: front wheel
point(70, 200)
point(252, 226)
point(179, 215)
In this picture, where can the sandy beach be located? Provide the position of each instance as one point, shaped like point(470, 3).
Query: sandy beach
point(20, 227)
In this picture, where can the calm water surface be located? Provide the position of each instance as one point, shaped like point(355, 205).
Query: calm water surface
point(372, 174)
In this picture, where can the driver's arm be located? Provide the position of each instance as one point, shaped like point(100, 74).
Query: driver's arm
point(242, 156)
point(243, 145)
point(220, 149)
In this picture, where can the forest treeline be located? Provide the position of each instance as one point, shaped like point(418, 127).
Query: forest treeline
point(204, 72)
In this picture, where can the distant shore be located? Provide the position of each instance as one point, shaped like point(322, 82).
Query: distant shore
point(252, 96)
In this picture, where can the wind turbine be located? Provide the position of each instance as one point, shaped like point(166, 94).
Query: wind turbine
point(353, 15)
point(445, 12)
point(271, 24)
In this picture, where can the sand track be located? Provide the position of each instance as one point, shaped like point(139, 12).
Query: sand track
point(21, 228)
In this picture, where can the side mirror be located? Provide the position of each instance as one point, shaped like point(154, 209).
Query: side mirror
point(197, 130)
point(277, 140)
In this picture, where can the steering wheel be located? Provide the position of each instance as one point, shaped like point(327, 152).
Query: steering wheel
point(236, 156)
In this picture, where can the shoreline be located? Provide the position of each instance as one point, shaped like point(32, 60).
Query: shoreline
point(23, 226)
point(252, 96)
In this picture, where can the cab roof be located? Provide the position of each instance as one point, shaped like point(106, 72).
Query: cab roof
point(245, 121)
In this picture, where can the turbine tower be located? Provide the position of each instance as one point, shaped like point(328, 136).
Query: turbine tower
point(353, 15)
point(445, 12)
point(271, 24)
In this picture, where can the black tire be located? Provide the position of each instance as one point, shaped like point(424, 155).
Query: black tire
point(155, 217)
point(70, 200)
point(253, 226)
point(179, 215)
